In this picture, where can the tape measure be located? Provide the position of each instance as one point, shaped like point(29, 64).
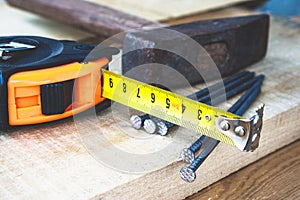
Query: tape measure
point(166, 105)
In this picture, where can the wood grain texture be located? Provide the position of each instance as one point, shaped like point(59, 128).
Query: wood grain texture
point(276, 176)
point(235, 11)
point(158, 10)
point(51, 161)
point(85, 15)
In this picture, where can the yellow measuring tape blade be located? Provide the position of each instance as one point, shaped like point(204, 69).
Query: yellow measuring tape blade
point(166, 105)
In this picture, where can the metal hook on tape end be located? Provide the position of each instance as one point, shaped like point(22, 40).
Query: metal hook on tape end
point(245, 133)
point(256, 127)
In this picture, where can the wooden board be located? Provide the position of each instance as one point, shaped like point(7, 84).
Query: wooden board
point(276, 176)
point(158, 10)
point(84, 15)
point(114, 17)
point(50, 161)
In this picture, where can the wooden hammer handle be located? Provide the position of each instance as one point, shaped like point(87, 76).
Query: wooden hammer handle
point(88, 16)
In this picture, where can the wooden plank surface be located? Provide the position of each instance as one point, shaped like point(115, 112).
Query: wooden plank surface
point(111, 18)
point(276, 176)
point(51, 161)
point(158, 10)
point(84, 15)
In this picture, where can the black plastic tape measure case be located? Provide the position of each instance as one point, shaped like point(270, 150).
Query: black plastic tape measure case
point(47, 53)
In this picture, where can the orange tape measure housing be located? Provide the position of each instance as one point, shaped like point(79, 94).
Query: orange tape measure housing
point(24, 93)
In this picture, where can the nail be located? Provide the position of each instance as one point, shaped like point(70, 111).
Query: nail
point(188, 154)
point(218, 85)
point(255, 86)
point(157, 126)
point(228, 87)
point(188, 173)
point(137, 121)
